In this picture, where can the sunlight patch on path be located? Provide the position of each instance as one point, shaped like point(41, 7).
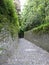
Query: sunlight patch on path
point(30, 49)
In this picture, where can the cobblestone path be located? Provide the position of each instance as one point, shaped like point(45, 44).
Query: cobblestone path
point(29, 54)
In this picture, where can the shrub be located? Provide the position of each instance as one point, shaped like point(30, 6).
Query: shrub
point(8, 16)
point(44, 28)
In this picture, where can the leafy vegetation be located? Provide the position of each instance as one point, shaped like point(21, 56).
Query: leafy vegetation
point(44, 28)
point(36, 14)
point(8, 16)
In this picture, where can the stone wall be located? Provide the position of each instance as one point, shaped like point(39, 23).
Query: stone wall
point(40, 40)
point(8, 47)
point(17, 5)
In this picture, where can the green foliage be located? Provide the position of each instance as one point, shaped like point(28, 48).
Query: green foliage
point(1, 49)
point(44, 28)
point(8, 16)
point(35, 13)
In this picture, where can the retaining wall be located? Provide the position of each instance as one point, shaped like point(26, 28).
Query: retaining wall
point(40, 40)
point(9, 46)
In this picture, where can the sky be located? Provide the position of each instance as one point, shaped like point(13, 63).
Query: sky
point(22, 3)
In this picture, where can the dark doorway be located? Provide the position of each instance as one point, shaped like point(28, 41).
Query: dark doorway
point(21, 34)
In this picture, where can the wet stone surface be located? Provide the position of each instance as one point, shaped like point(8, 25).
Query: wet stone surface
point(28, 54)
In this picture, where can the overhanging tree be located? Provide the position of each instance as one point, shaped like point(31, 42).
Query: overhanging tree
point(35, 13)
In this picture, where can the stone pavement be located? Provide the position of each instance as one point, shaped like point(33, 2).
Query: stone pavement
point(28, 54)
